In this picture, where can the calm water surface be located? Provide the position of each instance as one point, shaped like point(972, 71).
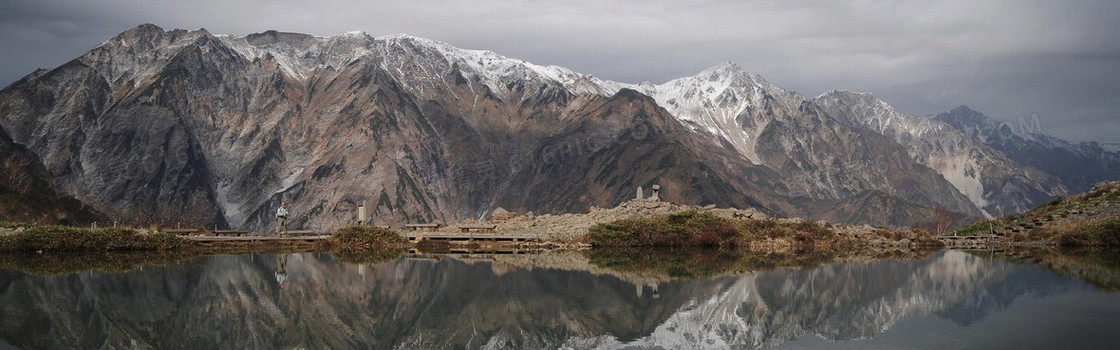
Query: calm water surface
point(951, 300)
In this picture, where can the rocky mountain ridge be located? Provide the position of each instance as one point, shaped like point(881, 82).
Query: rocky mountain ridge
point(1078, 165)
point(994, 183)
point(216, 130)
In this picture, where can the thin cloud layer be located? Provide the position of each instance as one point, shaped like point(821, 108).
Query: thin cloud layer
point(1057, 60)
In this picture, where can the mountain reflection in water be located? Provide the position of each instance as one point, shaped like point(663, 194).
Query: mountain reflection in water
point(550, 302)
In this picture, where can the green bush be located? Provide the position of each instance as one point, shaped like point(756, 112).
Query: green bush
point(1052, 203)
point(14, 225)
point(700, 229)
point(983, 226)
point(64, 238)
point(771, 229)
point(367, 237)
point(684, 229)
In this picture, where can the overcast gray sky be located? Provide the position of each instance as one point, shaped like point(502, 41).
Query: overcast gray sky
point(1057, 60)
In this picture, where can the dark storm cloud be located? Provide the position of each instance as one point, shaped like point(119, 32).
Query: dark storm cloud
point(1057, 60)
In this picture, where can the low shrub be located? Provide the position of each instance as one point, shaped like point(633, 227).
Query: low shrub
point(982, 227)
point(684, 229)
point(1052, 203)
point(64, 238)
point(801, 232)
point(15, 225)
point(701, 229)
point(1092, 232)
point(367, 237)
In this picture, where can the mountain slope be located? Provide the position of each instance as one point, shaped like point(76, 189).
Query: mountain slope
point(1078, 165)
point(26, 194)
point(826, 159)
point(192, 127)
point(210, 129)
point(992, 181)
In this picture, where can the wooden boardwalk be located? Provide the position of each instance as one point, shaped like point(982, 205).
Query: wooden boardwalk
point(259, 238)
point(454, 238)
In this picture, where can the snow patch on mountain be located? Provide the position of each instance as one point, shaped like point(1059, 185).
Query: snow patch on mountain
point(708, 102)
point(493, 70)
point(713, 101)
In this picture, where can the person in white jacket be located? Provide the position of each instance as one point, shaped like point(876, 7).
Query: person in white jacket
point(281, 216)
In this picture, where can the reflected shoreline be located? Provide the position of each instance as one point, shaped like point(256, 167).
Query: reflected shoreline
point(1099, 267)
point(580, 299)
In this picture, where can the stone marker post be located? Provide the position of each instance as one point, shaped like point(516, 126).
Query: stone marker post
point(362, 213)
point(640, 195)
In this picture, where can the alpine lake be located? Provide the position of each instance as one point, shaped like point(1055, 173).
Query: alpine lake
point(591, 299)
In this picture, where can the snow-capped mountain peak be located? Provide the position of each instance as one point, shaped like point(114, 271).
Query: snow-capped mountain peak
point(492, 69)
point(713, 99)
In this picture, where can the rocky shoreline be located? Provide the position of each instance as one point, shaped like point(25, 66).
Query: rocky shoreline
point(568, 230)
point(1050, 224)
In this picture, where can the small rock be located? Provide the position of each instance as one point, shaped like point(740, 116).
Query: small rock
point(501, 214)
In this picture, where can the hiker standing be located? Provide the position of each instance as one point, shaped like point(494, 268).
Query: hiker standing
point(281, 216)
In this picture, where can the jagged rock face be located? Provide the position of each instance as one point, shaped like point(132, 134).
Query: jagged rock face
point(208, 129)
point(841, 162)
point(26, 193)
point(627, 141)
point(823, 159)
point(1078, 165)
point(993, 182)
point(237, 302)
point(190, 126)
point(107, 127)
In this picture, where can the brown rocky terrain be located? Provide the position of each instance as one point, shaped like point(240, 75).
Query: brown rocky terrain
point(1087, 219)
point(567, 230)
point(573, 225)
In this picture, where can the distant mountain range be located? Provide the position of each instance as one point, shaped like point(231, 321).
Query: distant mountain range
point(210, 129)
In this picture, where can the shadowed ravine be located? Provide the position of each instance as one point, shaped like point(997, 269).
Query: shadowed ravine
point(237, 302)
